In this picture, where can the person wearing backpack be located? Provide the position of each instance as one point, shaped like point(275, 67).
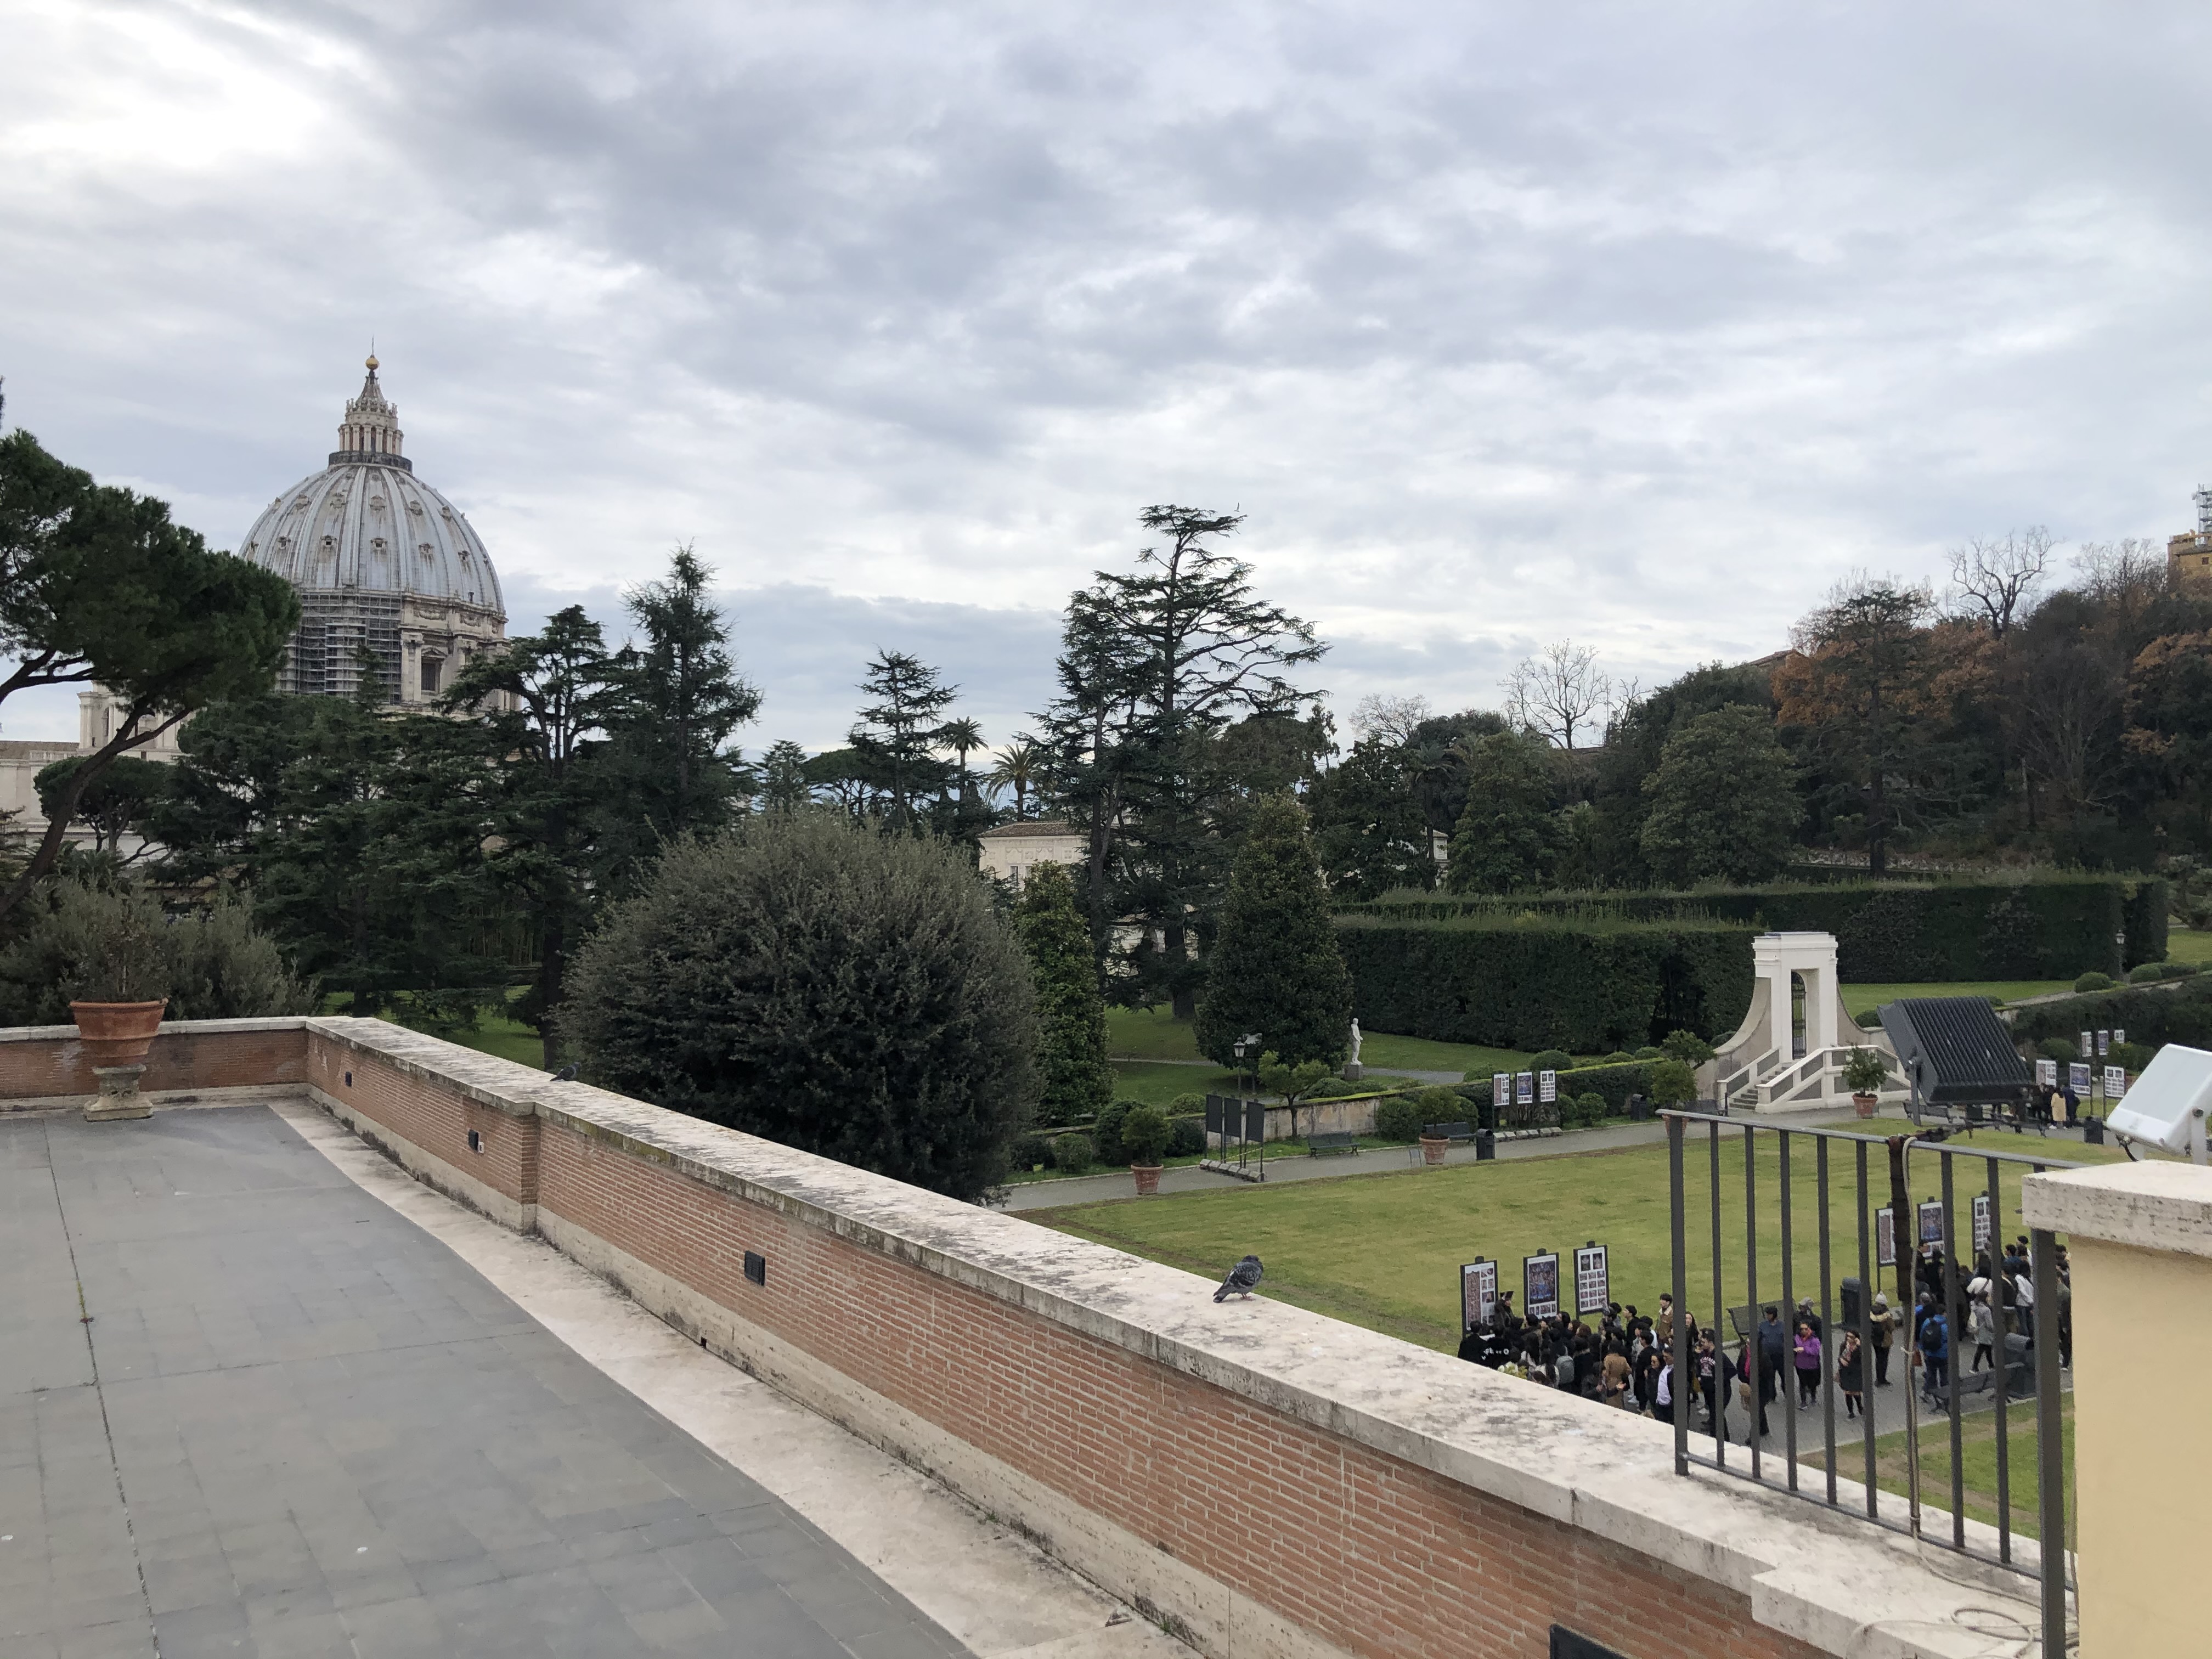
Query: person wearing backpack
point(1934, 1354)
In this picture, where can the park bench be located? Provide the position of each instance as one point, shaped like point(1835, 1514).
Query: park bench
point(1332, 1143)
point(1458, 1132)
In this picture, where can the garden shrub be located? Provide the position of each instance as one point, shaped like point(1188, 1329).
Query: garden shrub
point(1143, 1136)
point(1185, 1137)
point(1185, 1105)
point(2059, 1048)
point(2093, 981)
point(1550, 1060)
point(1397, 1118)
point(1590, 1111)
point(1612, 1083)
point(2132, 1056)
point(1571, 985)
point(1885, 931)
point(1648, 1052)
point(1687, 1046)
point(1671, 1083)
point(1335, 1088)
point(850, 994)
point(1073, 1154)
point(2143, 973)
point(1438, 1104)
point(2182, 1014)
point(1031, 1150)
point(1106, 1132)
point(1619, 1057)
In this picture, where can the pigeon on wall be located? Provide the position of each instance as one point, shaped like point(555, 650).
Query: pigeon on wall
point(1243, 1278)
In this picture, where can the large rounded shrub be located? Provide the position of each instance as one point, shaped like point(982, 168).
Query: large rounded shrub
point(845, 992)
point(78, 941)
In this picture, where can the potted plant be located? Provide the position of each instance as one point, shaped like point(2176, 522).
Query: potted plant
point(1145, 1138)
point(115, 971)
point(1864, 1074)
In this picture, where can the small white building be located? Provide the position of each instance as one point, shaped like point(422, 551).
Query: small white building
point(1012, 849)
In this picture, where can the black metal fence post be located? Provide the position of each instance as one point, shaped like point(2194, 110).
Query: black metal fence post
point(2050, 1445)
point(1680, 1335)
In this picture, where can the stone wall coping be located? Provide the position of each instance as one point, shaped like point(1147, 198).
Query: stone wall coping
point(1827, 1577)
point(2159, 1206)
point(169, 1028)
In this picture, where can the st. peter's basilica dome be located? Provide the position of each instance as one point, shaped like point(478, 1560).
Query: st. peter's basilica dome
point(384, 564)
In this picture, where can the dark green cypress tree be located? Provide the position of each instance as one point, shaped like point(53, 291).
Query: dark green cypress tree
point(1275, 969)
point(1074, 1080)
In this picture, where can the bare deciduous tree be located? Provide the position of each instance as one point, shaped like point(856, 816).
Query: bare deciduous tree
point(1994, 575)
point(1557, 692)
point(1390, 719)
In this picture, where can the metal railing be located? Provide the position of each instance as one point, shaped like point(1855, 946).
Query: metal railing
point(1910, 1262)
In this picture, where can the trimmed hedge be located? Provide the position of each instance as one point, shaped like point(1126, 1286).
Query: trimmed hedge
point(1535, 983)
point(1889, 932)
point(2181, 1015)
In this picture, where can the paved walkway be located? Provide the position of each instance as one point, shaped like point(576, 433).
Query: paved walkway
point(290, 1422)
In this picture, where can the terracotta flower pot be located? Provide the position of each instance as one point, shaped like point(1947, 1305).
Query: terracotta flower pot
point(1148, 1178)
point(117, 1033)
point(1865, 1103)
point(1432, 1152)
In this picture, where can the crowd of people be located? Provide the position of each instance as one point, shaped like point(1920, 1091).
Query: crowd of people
point(1626, 1359)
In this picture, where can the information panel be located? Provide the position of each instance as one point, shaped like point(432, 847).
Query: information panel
point(1524, 1088)
point(1885, 1236)
point(2115, 1082)
point(1931, 1222)
point(1547, 1087)
point(1478, 1293)
point(1593, 1280)
point(2077, 1078)
point(1540, 1283)
point(1981, 1222)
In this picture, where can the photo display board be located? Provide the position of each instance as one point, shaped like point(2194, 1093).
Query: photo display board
point(1501, 1088)
point(1540, 1283)
point(1981, 1222)
point(2088, 1044)
point(2077, 1076)
point(1885, 1236)
point(2115, 1082)
point(1931, 1222)
point(1547, 1087)
point(2046, 1075)
point(2104, 1044)
point(2119, 1034)
point(1524, 1088)
point(1478, 1293)
point(1593, 1280)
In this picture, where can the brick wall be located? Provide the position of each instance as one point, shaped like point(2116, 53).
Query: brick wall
point(1272, 1483)
point(47, 1063)
point(1372, 1554)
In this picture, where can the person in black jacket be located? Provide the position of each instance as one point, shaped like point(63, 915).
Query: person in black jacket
point(1771, 1352)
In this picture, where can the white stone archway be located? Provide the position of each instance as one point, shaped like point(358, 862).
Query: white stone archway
point(1788, 1055)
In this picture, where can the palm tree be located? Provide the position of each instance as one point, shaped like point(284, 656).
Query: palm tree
point(961, 737)
point(1016, 769)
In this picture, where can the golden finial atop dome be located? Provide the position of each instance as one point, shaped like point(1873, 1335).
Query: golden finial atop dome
point(372, 362)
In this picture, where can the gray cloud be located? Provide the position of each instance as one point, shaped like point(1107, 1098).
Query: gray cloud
point(1637, 325)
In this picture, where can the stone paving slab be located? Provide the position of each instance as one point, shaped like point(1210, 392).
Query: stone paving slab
point(314, 1430)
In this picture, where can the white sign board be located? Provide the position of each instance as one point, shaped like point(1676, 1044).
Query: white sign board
point(1478, 1293)
point(2077, 1078)
point(2046, 1075)
point(1524, 1091)
point(2115, 1082)
point(1547, 1086)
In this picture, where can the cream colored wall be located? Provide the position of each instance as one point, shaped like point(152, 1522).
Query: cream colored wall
point(2142, 1466)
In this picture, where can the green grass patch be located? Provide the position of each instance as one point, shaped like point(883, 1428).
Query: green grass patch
point(1978, 1464)
point(1861, 998)
point(1157, 1083)
point(2187, 944)
point(1383, 1250)
point(494, 1034)
point(1140, 1034)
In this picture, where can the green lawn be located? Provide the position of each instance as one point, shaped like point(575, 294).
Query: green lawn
point(495, 1034)
point(2187, 944)
point(1383, 1250)
point(1151, 1034)
point(1978, 1464)
point(1861, 998)
point(1158, 1082)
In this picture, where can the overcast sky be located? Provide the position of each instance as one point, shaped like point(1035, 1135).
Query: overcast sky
point(1639, 324)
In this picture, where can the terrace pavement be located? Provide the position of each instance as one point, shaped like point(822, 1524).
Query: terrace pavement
point(248, 1409)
